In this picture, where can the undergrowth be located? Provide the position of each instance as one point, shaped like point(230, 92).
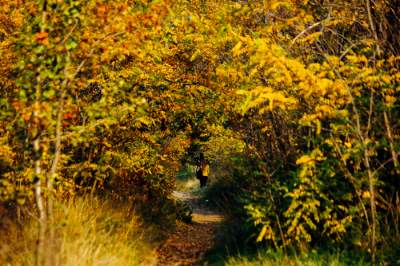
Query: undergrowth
point(235, 245)
point(88, 231)
point(233, 248)
point(316, 258)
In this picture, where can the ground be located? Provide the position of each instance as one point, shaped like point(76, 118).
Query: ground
point(188, 244)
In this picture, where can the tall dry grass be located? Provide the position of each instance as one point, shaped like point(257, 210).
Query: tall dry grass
point(88, 231)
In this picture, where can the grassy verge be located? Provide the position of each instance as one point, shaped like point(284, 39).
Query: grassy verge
point(222, 256)
point(271, 258)
point(89, 231)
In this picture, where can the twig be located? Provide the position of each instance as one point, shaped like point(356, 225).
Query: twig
point(305, 31)
point(70, 32)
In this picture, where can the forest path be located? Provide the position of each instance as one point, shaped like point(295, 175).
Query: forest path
point(188, 244)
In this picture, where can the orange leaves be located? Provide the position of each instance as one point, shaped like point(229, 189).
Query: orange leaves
point(101, 10)
point(22, 110)
point(42, 38)
point(16, 105)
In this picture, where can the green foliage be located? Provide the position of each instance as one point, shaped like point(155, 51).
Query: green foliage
point(183, 212)
point(315, 258)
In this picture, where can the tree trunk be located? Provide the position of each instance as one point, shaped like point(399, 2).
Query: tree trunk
point(38, 185)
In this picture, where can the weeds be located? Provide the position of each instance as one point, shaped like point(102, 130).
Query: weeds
point(88, 231)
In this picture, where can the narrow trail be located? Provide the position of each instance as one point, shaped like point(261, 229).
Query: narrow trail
point(188, 244)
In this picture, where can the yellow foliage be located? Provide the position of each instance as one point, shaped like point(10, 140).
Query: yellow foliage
point(305, 159)
point(390, 100)
point(237, 49)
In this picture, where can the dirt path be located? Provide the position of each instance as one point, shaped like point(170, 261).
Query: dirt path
point(188, 244)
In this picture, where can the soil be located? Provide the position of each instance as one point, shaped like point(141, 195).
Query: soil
point(189, 243)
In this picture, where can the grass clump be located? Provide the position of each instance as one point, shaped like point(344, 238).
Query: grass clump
point(313, 258)
point(87, 231)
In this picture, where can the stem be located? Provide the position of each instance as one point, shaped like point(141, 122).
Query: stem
point(371, 182)
point(352, 180)
point(366, 159)
point(51, 176)
point(371, 24)
point(38, 182)
point(371, 105)
point(391, 142)
point(40, 260)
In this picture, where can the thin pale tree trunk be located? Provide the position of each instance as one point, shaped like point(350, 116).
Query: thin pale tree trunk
point(38, 183)
point(42, 221)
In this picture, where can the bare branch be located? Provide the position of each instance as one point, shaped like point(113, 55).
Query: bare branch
point(305, 31)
